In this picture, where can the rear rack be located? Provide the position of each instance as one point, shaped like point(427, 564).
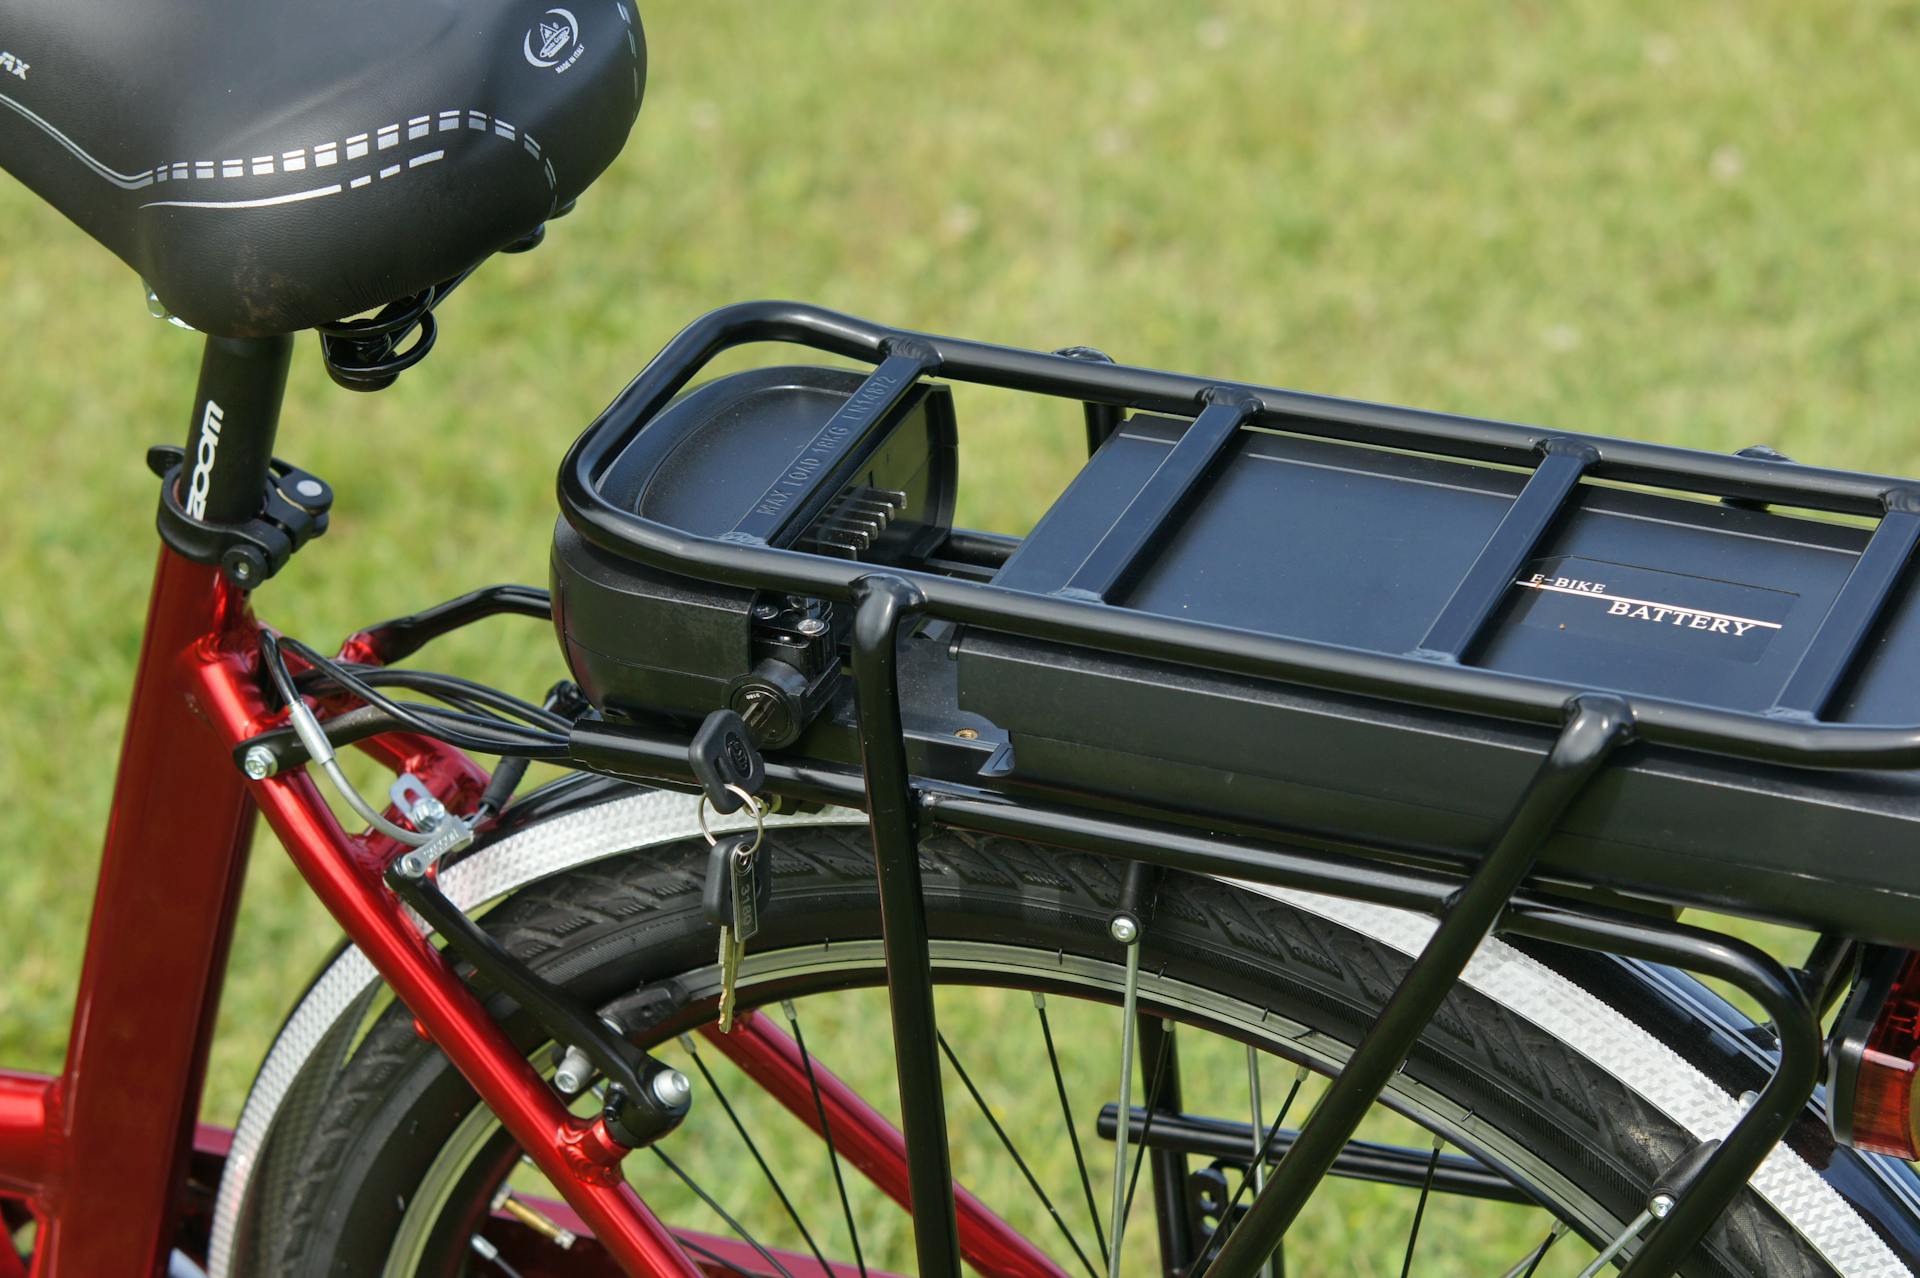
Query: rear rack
point(1495, 895)
point(1432, 675)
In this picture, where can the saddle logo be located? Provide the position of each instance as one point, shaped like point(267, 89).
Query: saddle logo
point(15, 63)
point(208, 448)
point(554, 41)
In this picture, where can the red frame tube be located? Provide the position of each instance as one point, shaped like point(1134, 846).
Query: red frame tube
point(101, 1153)
point(120, 1120)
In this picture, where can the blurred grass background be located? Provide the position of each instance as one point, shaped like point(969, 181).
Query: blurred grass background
point(1692, 224)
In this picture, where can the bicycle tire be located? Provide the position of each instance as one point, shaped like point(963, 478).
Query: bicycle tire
point(342, 1165)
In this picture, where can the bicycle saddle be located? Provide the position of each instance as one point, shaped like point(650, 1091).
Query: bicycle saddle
point(270, 165)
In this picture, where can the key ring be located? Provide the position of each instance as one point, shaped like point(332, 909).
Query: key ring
point(753, 806)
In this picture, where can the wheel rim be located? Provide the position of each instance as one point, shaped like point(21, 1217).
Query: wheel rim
point(805, 972)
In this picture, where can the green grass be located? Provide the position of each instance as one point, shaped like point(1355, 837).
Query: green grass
point(1691, 224)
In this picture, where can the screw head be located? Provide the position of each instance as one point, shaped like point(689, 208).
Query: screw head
point(309, 488)
point(259, 763)
point(968, 734)
point(413, 865)
point(570, 1075)
point(671, 1088)
point(1124, 929)
point(811, 627)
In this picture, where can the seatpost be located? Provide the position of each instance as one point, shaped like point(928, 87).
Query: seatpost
point(236, 411)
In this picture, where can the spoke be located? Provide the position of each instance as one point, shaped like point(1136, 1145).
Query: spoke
point(1531, 1261)
point(826, 1132)
point(1013, 1151)
point(1293, 1092)
point(715, 1257)
point(1420, 1208)
point(720, 1211)
point(1129, 1025)
point(1160, 1072)
point(1066, 1116)
point(1258, 1168)
point(491, 1254)
point(1619, 1243)
point(754, 1149)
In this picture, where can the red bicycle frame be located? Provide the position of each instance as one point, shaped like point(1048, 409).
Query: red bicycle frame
point(100, 1155)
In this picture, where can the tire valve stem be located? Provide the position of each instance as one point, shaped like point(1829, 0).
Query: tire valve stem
point(538, 1221)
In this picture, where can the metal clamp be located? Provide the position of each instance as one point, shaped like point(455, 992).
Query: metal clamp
point(445, 832)
point(293, 512)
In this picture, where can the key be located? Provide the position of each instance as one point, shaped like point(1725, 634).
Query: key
point(738, 888)
point(732, 951)
point(723, 755)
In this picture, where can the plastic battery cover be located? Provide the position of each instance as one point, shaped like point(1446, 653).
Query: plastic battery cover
point(1629, 590)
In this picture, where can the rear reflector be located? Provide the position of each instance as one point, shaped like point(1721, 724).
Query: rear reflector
point(1874, 1058)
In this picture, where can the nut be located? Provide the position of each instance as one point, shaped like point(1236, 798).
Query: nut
point(671, 1088)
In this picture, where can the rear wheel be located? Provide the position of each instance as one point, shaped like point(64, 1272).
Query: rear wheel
point(387, 1163)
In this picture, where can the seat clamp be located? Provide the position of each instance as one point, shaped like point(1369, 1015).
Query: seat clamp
point(293, 512)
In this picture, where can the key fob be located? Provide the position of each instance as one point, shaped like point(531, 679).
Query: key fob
point(752, 890)
point(716, 894)
point(722, 754)
point(734, 896)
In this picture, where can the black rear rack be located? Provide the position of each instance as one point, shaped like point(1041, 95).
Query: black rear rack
point(1791, 732)
point(1496, 895)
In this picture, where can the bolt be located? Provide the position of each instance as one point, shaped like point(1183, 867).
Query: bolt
point(811, 627)
point(427, 813)
point(671, 1088)
point(1124, 928)
point(1660, 1206)
point(538, 1221)
point(309, 488)
point(413, 865)
point(242, 569)
point(765, 611)
point(571, 1075)
point(259, 763)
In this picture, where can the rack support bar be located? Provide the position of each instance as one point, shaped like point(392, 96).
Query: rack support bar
point(882, 604)
point(1179, 477)
point(1855, 609)
point(801, 484)
point(1507, 551)
point(1596, 726)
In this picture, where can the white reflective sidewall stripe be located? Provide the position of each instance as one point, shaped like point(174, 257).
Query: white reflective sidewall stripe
point(1615, 1044)
point(576, 838)
point(1527, 988)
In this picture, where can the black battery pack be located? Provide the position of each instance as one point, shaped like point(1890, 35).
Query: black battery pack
point(1269, 614)
point(1629, 591)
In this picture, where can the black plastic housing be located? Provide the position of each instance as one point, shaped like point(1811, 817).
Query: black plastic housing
point(645, 642)
point(1363, 548)
point(1270, 615)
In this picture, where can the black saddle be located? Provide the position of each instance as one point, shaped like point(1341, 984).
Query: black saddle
point(270, 165)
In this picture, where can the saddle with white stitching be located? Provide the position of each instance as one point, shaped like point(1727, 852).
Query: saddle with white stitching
point(270, 165)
